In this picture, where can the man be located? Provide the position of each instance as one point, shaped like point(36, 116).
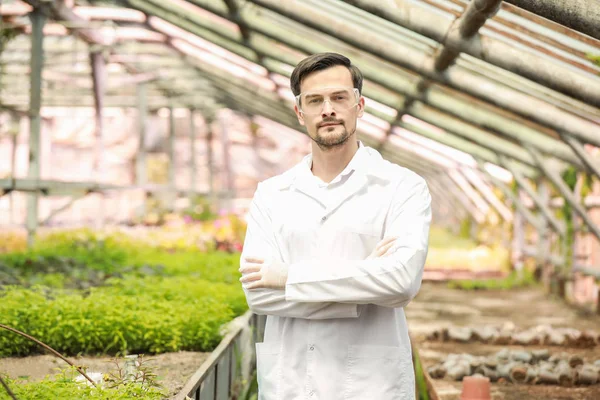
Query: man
point(335, 249)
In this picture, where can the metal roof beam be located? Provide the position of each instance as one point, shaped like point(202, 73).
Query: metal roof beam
point(458, 77)
point(465, 27)
point(415, 17)
point(580, 15)
point(21, 101)
point(487, 147)
point(62, 13)
point(529, 216)
point(558, 226)
point(481, 185)
point(593, 165)
point(232, 6)
point(388, 78)
point(470, 181)
point(562, 187)
point(547, 144)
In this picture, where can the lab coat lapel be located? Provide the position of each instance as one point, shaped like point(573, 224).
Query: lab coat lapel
point(355, 183)
point(307, 186)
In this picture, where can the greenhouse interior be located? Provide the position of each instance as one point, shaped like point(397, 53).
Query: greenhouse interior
point(134, 134)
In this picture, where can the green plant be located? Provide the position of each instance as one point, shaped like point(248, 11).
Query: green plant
point(512, 281)
point(142, 374)
point(6, 35)
point(138, 376)
point(570, 177)
point(200, 209)
point(135, 315)
point(420, 378)
point(83, 259)
point(98, 251)
point(465, 228)
point(92, 293)
point(64, 386)
point(251, 390)
point(442, 238)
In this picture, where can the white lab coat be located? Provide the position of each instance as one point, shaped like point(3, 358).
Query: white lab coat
point(338, 330)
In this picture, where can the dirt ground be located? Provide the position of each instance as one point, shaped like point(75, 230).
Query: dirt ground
point(437, 307)
point(173, 369)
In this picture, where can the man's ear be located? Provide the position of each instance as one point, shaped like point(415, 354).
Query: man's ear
point(299, 115)
point(361, 106)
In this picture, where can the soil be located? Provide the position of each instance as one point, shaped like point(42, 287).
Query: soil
point(173, 369)
point(437, 307)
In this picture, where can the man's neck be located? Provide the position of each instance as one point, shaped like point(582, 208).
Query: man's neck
point(328, 164)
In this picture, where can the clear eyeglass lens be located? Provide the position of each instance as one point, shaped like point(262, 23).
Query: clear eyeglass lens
point(343, 99)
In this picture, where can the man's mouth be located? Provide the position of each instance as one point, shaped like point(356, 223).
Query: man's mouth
point(329, 124)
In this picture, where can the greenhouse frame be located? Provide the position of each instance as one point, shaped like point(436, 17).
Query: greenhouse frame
point(495, 103)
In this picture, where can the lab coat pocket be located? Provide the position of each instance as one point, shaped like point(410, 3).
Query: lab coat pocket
point(268, 370)
point(295, 233)
point(357, 241)
point(379, 373)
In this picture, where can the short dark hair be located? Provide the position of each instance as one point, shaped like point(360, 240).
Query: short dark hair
point(319, 62)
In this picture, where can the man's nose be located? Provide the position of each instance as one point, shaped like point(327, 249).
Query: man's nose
point(327, 108)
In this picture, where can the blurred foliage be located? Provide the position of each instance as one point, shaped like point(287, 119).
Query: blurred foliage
point(481, 258)
point(83, 258)
point(7, 33)
point(421, 382)
point(224, 232)
point(570, 176)
point(13, 241)
point(450, 251)
point(97, 292)
point(157, 168)
point(198, 223)
point(512, 281)
point(200, 209)
point(465, 229)
point(440, 237)
point(133, 315)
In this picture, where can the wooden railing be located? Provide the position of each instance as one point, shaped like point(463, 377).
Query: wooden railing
point(218, 378)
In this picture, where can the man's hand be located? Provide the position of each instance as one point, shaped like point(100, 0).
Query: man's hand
point(382, 248)
point(258, 274)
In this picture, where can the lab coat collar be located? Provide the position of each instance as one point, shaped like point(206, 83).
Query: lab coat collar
point(364, 166)
point(302, 169)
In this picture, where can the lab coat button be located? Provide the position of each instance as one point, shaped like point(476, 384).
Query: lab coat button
point(312, 348)
point(312, 393)
point(323, 219)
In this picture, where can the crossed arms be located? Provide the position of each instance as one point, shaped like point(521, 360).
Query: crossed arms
point(311, 289)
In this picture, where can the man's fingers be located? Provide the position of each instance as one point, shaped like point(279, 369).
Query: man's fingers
point(385, 242)
point(252, 259)
point(384, 249)
point(255, 285)
point(256, 276)
point(247, 267)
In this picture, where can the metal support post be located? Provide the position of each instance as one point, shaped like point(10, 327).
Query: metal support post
point(37, 61)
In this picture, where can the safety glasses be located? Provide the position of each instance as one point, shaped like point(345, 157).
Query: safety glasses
point(339, 98)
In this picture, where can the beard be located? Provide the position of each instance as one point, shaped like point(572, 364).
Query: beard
point(329, 140)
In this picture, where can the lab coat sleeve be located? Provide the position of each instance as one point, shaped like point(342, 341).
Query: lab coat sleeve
point(260, 242)
point(391, 281)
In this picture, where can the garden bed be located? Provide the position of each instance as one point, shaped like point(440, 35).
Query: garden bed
point(94, 296)
point(438, 307)
point(173, 369)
